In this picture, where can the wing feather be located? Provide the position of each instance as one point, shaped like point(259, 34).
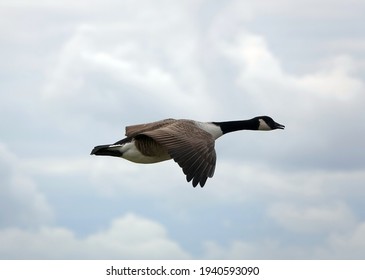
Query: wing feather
point(191, 147)
point(133, 130)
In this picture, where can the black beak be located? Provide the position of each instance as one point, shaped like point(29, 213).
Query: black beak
point(279, 126)
point(107, 150)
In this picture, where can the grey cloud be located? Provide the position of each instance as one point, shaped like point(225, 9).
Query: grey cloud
point(21, 203)
point(75, 74)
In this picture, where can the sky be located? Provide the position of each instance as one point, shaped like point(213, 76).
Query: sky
point(74, 73)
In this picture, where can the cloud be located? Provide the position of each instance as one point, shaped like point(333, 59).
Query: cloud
point(21, 203)
point(128, 237)
point(317, 105)
point(261, 74)
point(265, 249)
point(113, 73)
point(312, 219)
point(311, 9)
point(89, 69)
point(347, 246)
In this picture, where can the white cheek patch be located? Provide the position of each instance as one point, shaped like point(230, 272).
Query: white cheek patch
point(263, 125)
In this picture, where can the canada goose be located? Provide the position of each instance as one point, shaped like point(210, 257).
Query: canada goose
point(190, 143)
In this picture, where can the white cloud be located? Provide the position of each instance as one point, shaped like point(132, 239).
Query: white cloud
point(136, 237)
point(312, 219)
point(262, 75)
point(21, 203)
point(113, 73)
point(350, 245)
point(248, 179)
point(310, 9)
point(128, 237)
point(110, 176)
point(241, 180)
point(236, 250)
point(315, 107)
point(336, 80)
point(89, 69)
point(267, 249)
point(340, 245)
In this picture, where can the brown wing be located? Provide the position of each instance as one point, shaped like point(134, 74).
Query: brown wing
point(191, 147)
point(134, 130)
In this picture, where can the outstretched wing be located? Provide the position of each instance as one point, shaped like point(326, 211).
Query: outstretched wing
point(191, 147)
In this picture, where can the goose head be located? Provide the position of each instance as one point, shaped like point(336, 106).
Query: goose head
point(267, 123)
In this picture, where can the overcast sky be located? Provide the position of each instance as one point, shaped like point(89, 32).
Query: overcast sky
point(74, 73)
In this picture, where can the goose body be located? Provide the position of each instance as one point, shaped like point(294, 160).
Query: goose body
point(190, 143)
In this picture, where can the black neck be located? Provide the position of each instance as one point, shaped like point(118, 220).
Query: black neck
point(231, 126)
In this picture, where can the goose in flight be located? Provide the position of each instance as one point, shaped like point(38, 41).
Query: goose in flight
point(190, 143)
